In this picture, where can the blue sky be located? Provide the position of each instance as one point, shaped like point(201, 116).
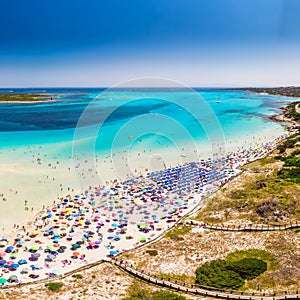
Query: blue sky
point(196, 42)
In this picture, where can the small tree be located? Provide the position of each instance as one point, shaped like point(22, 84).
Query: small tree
point(248, 268)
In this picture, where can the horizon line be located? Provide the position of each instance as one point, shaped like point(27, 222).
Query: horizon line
point(154, 87)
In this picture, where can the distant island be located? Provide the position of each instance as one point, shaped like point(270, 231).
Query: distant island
point(25, 98)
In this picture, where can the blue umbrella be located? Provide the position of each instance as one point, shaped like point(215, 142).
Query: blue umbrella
point(22, 262)
point(113, 252)
point(2, 261)
point(14, 266)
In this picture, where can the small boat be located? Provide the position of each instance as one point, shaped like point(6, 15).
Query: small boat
point(218, 101)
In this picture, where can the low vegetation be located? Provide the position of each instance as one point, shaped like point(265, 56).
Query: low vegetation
point(77, 276)
point(140, 292)
point(23, 97)
point(264, 255)
point(54, 285)
point(178, 232)
point(226, 274)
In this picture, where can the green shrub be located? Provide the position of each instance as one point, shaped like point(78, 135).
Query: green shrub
point(77, 276)
point(248, 268)
point(292, 161)
point(292, 174)
point(216, 274)
point(296, 152)
point(253, 253)
point(54, 286)
point(229, 274)
point(279, 157)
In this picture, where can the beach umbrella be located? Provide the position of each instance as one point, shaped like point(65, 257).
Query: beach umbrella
point(3, 280)
point(36, 266)
point(2, 262)
point(75, 246)
point(35, 255)
point(3, 243)
point(2, 254)
point(25, 271)
point(13, 278)
point(76, 254)
point(20, 243)
point(22, 262)
point(50, 256)
point(55, 272)
point(113, 252)
point(110, 236)
point(143, 239)
point(14, 266)
point(33, 258)
point(9, 248)
point(117, 237)
point(34, 248)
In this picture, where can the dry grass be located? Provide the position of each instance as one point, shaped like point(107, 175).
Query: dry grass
point(179, 260)
point(101, 282)
point(241, 202)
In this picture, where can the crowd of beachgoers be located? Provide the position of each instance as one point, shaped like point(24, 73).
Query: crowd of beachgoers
point(106, 220)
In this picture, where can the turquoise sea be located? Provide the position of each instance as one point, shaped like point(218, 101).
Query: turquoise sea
point(106, 121)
